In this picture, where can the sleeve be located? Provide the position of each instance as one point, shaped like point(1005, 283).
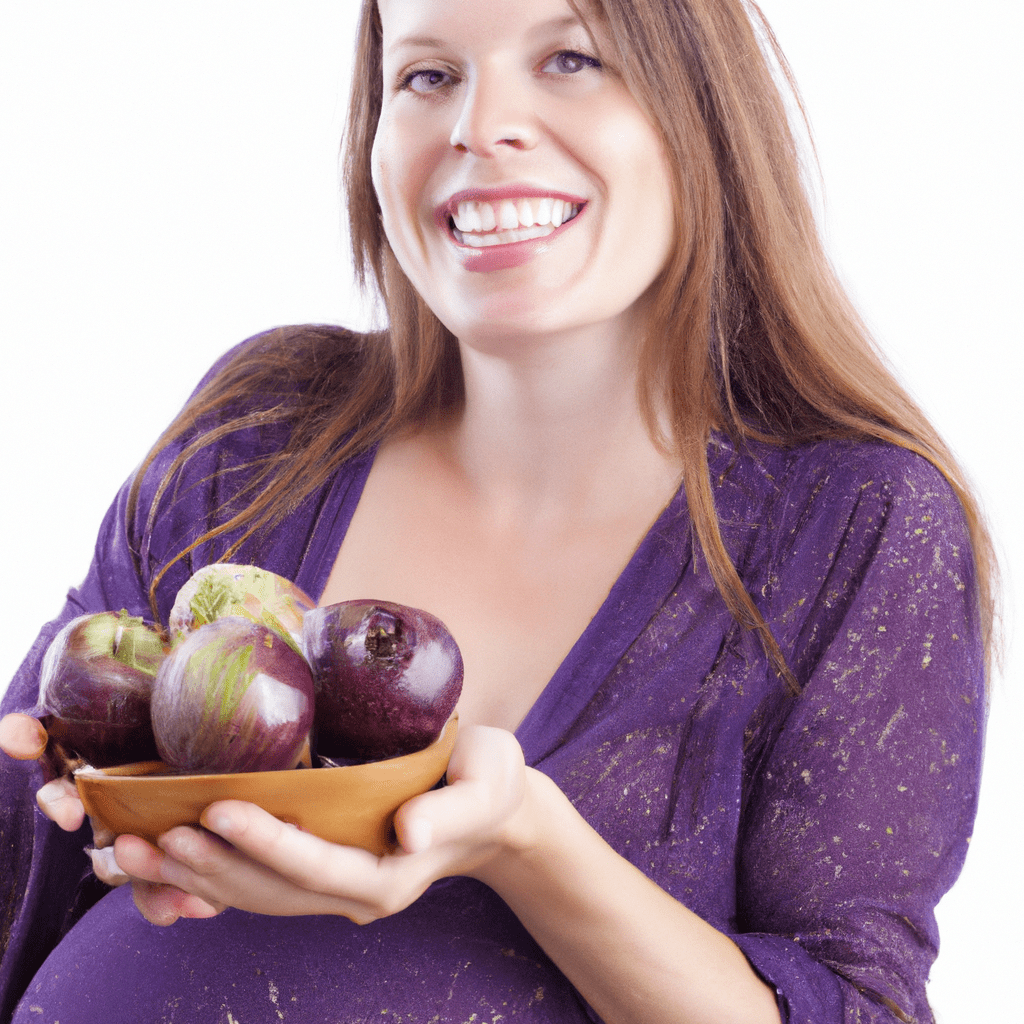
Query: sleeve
point(859, 813)
point(45, 876)
point(46, 881)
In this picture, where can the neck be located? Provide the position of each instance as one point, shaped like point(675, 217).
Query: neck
point(545, 428)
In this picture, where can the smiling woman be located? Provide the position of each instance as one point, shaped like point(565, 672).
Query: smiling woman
point(503, 131)
point(722, 595)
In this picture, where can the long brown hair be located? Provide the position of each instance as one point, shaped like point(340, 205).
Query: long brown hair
point(750, 332)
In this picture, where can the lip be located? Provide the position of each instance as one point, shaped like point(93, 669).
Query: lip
point(513, 254)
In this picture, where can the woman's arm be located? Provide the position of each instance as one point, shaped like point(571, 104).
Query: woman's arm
point(636, 953)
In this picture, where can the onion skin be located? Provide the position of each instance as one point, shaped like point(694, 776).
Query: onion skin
point(387, 677)
point(95, 688)
point(232, 696)
point(246, 591)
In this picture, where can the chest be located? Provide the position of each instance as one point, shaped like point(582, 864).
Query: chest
point(516, 599)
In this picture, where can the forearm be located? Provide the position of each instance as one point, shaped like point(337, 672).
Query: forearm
point(633, 951)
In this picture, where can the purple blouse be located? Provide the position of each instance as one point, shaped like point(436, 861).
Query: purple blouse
point(818, 831)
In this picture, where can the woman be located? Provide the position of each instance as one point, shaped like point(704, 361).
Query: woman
point(722, 597)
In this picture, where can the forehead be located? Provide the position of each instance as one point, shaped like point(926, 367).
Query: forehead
point(433, 21)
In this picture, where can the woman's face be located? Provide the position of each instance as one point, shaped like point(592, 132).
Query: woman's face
point(523, 189)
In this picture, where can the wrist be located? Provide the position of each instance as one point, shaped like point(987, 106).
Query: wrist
point(526, 835)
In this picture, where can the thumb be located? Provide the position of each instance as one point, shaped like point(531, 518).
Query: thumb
point(22, 736)
point(486, 781)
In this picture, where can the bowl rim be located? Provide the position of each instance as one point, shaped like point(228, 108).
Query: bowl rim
point(141, 772)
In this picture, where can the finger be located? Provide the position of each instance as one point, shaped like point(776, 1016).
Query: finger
point(59, 801)
point(158, 902)
point(275, 868)
point(302, 858)
point(483, 751)
point(164, 904)
point(22, 736)
point(137, 858)
point(144, 862)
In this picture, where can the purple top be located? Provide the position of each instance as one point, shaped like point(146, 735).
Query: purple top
point(819, 831)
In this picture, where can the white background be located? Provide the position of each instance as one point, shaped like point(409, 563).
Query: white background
point(168, 186)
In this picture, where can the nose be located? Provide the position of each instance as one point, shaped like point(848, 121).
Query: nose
point(494, 114)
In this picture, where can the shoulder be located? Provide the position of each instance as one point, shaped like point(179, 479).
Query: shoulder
point(255, 394)
point(852, 468)
point(821, 486)
point(816, 528)
point(287, 358)
point(862, 493)
point(872, 550)
point(250, 417)
point(825, 469)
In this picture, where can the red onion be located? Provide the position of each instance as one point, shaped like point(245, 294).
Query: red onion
point(387, 677)
point(95, 686)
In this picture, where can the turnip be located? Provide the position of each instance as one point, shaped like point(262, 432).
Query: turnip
point(241, 590)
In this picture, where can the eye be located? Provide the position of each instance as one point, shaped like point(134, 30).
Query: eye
point(425, 80)
point(569, 62)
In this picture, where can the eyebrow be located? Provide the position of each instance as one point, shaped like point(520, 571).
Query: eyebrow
point(433, 43)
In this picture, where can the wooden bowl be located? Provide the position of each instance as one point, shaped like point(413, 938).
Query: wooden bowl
point(353, 805)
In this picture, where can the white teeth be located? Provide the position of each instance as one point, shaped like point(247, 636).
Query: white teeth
point(469, 217)
point(505, 237)
point(508, 216)
point(525, 212)
point(484, 219)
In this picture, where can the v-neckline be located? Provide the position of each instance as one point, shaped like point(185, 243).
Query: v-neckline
point(649, 576)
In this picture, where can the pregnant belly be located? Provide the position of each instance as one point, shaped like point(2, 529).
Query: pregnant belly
point(457, 955)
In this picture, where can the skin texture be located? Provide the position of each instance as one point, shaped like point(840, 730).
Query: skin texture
point(547, 351)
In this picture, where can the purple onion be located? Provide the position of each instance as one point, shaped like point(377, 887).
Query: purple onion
point(387, 678)
point(95, 687)
point(232, 696)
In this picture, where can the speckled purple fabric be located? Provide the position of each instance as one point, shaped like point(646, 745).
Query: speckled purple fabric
point(819, 831)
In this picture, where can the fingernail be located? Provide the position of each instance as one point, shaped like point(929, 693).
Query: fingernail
point(104, 865)
point(51, 792)
point(218, 822)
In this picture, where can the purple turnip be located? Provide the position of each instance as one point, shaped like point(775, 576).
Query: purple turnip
point(232, 696)
point(240, 590)
point(95, 686)
point(387, 678)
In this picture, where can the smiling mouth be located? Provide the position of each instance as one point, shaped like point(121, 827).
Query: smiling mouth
point(484, 224)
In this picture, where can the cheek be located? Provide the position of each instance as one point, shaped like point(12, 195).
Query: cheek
point(631, 159)
point(386, 172)
point(401, 173)
point(642, 233)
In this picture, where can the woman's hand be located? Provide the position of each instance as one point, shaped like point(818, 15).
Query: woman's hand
point(248, 859)
point(24, 738)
